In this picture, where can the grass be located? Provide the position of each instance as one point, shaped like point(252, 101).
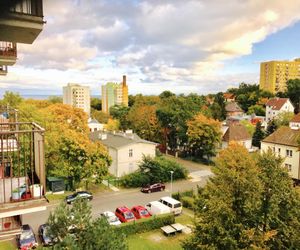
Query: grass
point(156, 240)
point(7, 245)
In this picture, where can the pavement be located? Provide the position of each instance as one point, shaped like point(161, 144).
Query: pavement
point(110, 200)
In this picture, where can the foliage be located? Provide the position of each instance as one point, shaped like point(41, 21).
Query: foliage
point(271, 127)
point(120, 112)
point(283, 119)
point(188, 202)
point(112, 125)
point(55, 99)
point(178, 195)
point(145, 225)
point(74, 228)
point(257, 110)
point(11, 99)
point(218, 107)
point(293, 92)
point(203, 136)
point(249, 126)
point(152, 170)
point(258, 135)
point(99, 116)
point(96, 104)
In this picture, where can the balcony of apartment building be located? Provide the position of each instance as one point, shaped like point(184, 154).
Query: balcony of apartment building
point(8, 53)
point(21, 21)
point(22, 172)
point(3, 70)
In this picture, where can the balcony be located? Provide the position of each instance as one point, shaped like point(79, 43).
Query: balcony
point(8, 53)
point(21, 21)
point(10, 226)
point(3, 70)
point(22, 169)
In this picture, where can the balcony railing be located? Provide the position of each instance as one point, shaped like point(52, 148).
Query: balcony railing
point(22, 171)
point(8, 49)
point(28, 7)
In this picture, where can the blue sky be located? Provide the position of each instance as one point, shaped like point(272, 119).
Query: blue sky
point(183, 46)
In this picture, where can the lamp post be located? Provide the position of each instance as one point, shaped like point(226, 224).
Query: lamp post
point(171, 183)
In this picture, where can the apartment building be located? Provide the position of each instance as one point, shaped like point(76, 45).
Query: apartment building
point(114, 94)
point(77, 96)
point(275, 74)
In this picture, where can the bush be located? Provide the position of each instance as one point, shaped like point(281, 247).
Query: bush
point(188, 202)
point(145, 225)
point(187, 198)
point(188, 193)
point(152, 170)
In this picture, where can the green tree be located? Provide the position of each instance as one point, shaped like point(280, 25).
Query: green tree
point(204, 135)
point(258, 135)
point(271, 127)
point(120, 112)
point(293, 92)
point(218, 107)
point(257, 110)
point(11, 99)
point(283, 119)
point(99, 116)
point(96, 103)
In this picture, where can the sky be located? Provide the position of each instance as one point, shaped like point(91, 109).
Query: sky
point(190, 46)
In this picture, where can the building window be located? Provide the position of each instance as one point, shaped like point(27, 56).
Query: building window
point(274, 149)
point(279, 151)
point(130, 152)
point(288, 167)
point(289, 153)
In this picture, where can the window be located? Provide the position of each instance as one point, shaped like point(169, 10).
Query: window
point(289, 153)
point(130, 152)
point(274, 149)
point(288, 167)
point(279, 151)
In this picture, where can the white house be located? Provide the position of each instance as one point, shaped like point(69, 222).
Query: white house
point(295, 122)
point(126, 150)
point(284, 142)
point(94, 125)
point(276, 106)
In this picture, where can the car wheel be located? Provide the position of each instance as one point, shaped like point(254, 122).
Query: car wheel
point(161, 189)
point(149, 191)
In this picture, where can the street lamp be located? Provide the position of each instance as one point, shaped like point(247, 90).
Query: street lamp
point(171, 182)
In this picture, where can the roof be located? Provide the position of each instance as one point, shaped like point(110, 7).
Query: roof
point(277, 103)
point(228, 96)
point(233, 107)
point(124, 209)
point(236, 132)
point(284, 136)
point(93, 121)
point(139, 207)
point(296, 118)
point(118, 140)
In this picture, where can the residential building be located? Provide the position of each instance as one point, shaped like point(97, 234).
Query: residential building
point(295, 122)
point(126, 150)
point(275, 106)
point(114, 94)
point(77, 96)
point(233, 109)
point(237, 132)
point(20, 22)
point(275, 74)
point(94, 125)
point(229, 97)
point(22, 182)
point(284, 142)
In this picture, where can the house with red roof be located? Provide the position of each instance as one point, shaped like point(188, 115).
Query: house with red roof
point(275, 106)
point(295, 122)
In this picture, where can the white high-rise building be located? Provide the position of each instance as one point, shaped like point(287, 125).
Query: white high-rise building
point(77, 96)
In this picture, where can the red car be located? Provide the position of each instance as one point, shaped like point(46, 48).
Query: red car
point(124, 214)
point(140, 212)
point(153, 188)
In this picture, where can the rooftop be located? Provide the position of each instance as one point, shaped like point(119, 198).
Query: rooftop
point(236, 132)
point(296, 118)
point(277, 103)
point(233, 107)
point(284, 136)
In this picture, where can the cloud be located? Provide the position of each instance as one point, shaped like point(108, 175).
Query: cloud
point(183, 42)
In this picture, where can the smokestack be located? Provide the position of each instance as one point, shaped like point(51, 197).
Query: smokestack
point(124, 80)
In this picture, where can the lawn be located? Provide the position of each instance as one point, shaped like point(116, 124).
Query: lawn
point(7, 245)
point(156, 240)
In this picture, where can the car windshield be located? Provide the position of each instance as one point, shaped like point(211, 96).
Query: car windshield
point(177, 205)
point(26, 235)
point(144, 212)
point(112, 219)
point(128, 215)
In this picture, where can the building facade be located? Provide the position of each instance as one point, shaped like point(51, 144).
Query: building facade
point(276, 106)
point(114, 94)
point(77, 96)
point(275, 74)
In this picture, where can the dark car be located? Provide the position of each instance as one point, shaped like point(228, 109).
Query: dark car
point(153, 188)
point(43, 235)
point(81, 194)
point(26, 240)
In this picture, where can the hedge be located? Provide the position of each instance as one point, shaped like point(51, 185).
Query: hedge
point(145, 225)
point(178, 195)
point(187, 202)
point(187, 198)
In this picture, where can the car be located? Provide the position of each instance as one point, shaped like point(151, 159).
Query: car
point(26, 240)
point(124, 214)
point(153, 188)
point(44, 237)
point(111, 218)
point(140, 212)
point(81, 194)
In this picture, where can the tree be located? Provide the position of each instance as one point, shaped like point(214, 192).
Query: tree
point(112, 125)
point(120, 113)
point(293, 92)
point(55, 99)
point(74, 228)
point(271, 127)
point(258, 135)
point(99, 116)
point(96, 103)
point(218, 107)
point(283, 119)
point(257, 110)
point(11, 99)
point(203, 135)
point(226, 207)
point(249, 126)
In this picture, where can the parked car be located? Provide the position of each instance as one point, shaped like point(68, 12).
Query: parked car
point(124, 214)
point(153, 188)
point(26, 240)
point(81, 194)
point(156, 207)
point(140, 212)
point(173, 204)
point(111, 218)
point(44, 237)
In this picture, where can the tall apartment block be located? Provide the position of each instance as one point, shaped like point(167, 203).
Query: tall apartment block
point(275, 74)
point(77, 96)
point(114, 94)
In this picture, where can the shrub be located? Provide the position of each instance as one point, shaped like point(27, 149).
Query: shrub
point(187, 198)
point(145, 225)
point(187, 202)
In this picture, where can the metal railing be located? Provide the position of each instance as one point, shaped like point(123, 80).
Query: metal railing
point(28, 7)
point(8, 49)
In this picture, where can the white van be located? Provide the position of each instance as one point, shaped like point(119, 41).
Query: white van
point(156, 207)
point(173, 204)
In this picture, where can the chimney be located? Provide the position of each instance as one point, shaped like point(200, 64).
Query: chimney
point(124, 80)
